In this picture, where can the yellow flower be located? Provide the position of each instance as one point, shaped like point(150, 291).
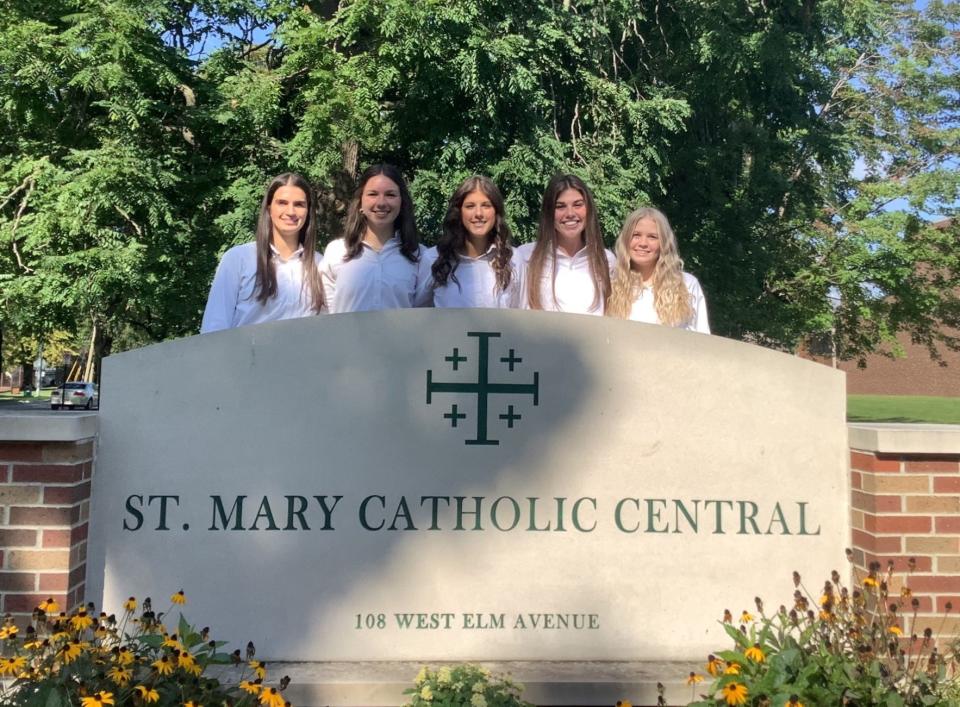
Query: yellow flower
point(426, 693)
point(130, 604)
point(253, 688)
point(98, 700)
point(191, 703)
point(869, 582)
point(754, 653)
point(125, 656)
point(119, 675)
point(259, 669)
point(624, 703)
point(179, 598)
point(49, 606)
point(163, 665)
point(694, 678)
point(12, 665)
point(271, 697)
point(714, 665)
point(80, 620)
point(794, 701)
point(731, 669)
point(147, 694)
point(421, 676)
point(188, 664)
point(71, 651)
point(746, 617)
point(8, 632)
point(895, 630)
point(735, 693)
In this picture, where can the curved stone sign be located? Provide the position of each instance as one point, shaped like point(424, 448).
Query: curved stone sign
point(466, 484)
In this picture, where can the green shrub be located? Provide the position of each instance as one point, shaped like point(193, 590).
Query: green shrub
point(463, 686)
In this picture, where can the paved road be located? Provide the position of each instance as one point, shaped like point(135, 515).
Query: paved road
point(31, 406)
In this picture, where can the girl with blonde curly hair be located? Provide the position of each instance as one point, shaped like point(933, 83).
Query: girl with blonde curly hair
point(649, 284)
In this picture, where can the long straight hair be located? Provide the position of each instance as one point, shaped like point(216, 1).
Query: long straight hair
point(546, 246)
point(266, 279)
point(356, 223)
point(671, 299)
point(452, 243)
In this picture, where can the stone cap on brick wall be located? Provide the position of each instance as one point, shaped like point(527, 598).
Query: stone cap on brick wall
point(47, 426)
point(901, 438)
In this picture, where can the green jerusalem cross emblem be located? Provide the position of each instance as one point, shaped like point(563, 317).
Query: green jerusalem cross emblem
point(482, 387)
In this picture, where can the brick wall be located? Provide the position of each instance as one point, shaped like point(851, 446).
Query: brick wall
point(905, 488)
point(44, 511)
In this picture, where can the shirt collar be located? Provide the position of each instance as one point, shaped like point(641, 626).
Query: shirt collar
point(298, 253)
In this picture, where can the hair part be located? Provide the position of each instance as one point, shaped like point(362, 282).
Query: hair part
point(546, 246)
point(452, 243)
point(266, 278)
point(671, 297)
point(405, 225)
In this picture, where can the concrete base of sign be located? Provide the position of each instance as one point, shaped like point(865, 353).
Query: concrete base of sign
point(381, 684)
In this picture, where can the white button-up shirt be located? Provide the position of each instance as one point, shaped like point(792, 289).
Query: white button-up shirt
point(233, 302)
point(374, 280)
point(476, 284)
point(574, 285)
point(643, 307)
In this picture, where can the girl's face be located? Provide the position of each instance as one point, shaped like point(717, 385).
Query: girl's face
point(570, 215)
point(645, 245)
point(380, 201)
point(478, 214)
point(288, 211)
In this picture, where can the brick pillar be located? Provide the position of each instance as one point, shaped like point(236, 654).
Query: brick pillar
point(44, 509)
point(905, 488)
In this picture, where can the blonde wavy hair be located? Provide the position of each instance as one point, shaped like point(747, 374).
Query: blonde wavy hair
point(671, 297)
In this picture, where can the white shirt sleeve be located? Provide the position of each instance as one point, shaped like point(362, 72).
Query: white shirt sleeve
point(332, 259)
point(700, 322)
point(423, 295)
point(224, 294)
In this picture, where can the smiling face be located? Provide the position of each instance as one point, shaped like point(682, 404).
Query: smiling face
point(380, 202)
point(644, 247)
point(570, 216)
point(478, 215)
point(288, 212)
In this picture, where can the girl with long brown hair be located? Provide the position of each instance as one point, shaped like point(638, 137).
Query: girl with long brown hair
point(649, 284)
point(471, 263)
point(276, 276)
point(567, 269)
point(375, 265)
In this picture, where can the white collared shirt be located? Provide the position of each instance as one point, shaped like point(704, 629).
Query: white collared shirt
point(233, 301)
point(643, 307)
point(574, 284)
point(475, 286)
point(374, 280)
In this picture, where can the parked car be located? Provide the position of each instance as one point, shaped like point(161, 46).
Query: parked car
point(76, 395)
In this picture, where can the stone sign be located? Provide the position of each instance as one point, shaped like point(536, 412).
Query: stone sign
point(466, 484)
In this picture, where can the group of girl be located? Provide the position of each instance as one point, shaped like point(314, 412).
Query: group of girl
point(379, 263)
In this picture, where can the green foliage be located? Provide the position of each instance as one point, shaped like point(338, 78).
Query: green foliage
point(463, 686)
point(844, 647)
point(797, 147)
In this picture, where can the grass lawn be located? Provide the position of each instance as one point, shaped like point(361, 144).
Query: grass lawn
point(903, 408)
point(8, 399)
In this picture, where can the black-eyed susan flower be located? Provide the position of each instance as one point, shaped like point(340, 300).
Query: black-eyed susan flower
point(714, 665)
point(125, 656)
point(146, 694)
point(735, 693)
point(130, 604)
point(624, 703)
point(49, 606)
point(163, 665)
point(271, 697)
point(732, 669)
point(172, 642)
point(120, 676)
point(179, 598)
point(794, 701)
point(71, 651)
point(259, 669)
point(188, 664)
point(253, 687)
point(81, 620)
point(8, 633)
point(191, 703)
point(12, 665)
point(869, 582)
point(694, 679)
point(98, 700)
point(755, 653)
point(895, 630)
point(746, 617)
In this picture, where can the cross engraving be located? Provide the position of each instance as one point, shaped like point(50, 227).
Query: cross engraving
point(483, 388)
point(455, 358)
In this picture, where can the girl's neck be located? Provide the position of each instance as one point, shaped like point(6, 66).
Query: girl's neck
point(570, 246)
point(645, 275)
point(286, 244)
point(475, 246)
point(377, 238)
